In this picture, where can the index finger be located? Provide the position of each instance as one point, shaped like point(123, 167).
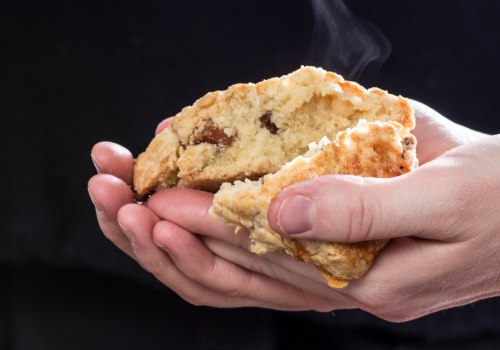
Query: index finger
point(189, 208)
point(437, 134)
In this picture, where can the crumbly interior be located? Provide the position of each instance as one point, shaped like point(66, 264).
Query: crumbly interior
point(250, 130)
point(375, 149)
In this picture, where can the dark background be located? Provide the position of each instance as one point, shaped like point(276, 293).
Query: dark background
point(75, 73)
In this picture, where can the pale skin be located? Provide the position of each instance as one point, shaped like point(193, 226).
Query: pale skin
point(443, 219)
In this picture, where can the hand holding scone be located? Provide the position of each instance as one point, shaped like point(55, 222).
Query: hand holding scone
point(185, 262)
point(443, 219)
point(437, 261)
point(260, 133)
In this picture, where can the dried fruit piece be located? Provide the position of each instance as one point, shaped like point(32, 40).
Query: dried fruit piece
point(214, 135)
point(265, 119)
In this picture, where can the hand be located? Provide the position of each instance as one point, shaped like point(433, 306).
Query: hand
point(436, 135)
point(443, 218)
point(110, 190)
point(185, 263)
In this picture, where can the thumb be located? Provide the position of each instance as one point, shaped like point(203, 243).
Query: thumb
point(346, 208)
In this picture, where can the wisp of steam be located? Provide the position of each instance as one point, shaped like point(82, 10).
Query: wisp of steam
point(345, 44)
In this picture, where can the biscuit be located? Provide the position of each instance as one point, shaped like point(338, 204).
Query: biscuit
point(371, 149)
point(255, 139)
point(250, 130)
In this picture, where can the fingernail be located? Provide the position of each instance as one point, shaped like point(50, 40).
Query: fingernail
point(96, 163)
point(98, 206)
point(129, 234)
point(296, 214)
point(159, 245)
point(163, 247)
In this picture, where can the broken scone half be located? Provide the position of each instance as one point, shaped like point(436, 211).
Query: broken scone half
point(250, 131)
point(372, 149)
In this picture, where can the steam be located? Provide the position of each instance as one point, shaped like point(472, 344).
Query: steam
point(345, 44)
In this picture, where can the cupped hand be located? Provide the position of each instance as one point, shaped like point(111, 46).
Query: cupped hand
point(182, 260)
point(443, 219)
point(213, 266)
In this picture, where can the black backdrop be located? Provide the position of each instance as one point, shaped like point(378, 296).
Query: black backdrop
point(74, 73)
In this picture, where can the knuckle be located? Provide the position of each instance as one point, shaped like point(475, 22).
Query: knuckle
point(233, 283)
point(238, 290)
point(360, 217)
point(457, 209)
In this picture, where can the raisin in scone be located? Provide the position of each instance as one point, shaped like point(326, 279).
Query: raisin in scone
point(374, 149)
point(250, 130)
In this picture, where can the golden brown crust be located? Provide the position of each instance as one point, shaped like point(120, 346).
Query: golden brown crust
point(227, 133)
point(158, 165)
point(374, 149)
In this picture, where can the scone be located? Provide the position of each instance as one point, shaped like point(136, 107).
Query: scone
point(374, 149)
point(256, 131)
point(250, 130)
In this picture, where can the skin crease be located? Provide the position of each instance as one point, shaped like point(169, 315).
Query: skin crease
point(442, 218)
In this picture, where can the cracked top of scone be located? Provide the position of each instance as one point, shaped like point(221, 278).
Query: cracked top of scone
point(250, 130)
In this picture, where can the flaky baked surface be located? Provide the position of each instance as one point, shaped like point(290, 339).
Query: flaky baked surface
point(268, 131)
point(371, 149)
point(250, 130)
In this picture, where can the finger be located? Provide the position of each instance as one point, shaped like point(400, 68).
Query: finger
point(431, 131)
point(446, 199)
point(111, 158)
point(156, 261)
point(109, 194)
point(189, 209)
point(437, 134)
point(200, 265)
point(298, 274)
point(163, 125)
point(346, 208)
point(136, 221)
